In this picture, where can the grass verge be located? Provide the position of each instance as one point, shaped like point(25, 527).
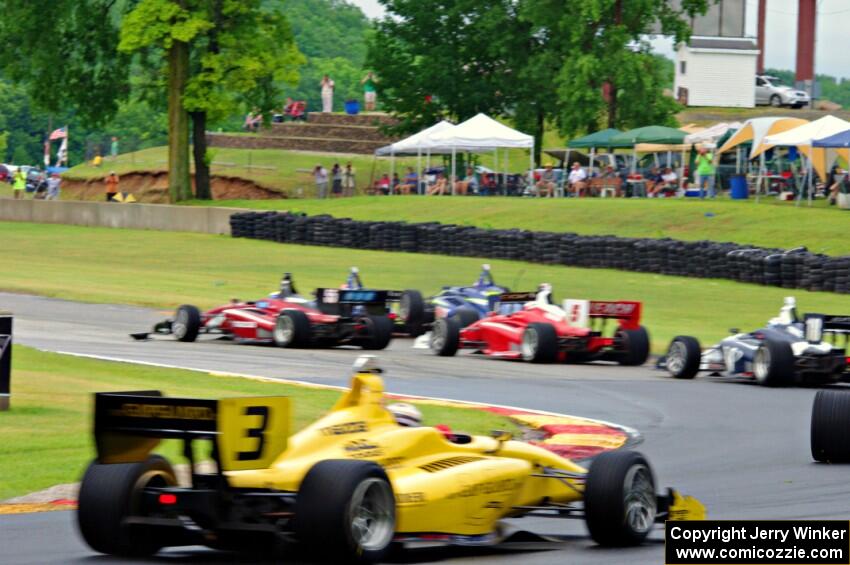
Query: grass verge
point(768, 224)
point(165, 269)
point(46, 436)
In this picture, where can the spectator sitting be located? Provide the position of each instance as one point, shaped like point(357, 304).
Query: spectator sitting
point(411, 180)
point(611, 179)
point(577, 180)
point(835, 188)
point(667, 184)
point(253, 120)
point(396, 182)
point(546, 185)
point(462, 186)
point(383, 184)
point(440, 185)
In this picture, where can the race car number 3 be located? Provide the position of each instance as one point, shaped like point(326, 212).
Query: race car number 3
point(252, 431)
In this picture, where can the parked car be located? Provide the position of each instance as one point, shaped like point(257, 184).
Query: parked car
point(770, 90)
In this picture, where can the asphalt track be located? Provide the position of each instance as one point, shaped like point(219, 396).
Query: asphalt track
point(741, 449)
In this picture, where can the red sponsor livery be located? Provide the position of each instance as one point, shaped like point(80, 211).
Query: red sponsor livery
point(541, 332)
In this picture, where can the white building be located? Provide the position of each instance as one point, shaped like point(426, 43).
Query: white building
point(716, 71)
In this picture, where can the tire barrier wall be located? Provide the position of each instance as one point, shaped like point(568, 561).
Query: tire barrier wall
point(794, 268)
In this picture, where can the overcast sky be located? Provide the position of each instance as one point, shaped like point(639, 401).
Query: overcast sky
point(833, 40)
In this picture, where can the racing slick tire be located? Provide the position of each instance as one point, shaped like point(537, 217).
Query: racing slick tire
point(292, 329)
point(830, 431)
point(466, 316)
point(187, 323)
point(683, 357)
point(634, 348)
point(380, 332)
point(773, 364)
point(619, 498)
point(345, 511)
point(445, 336)
point(411, 309)
point(110, 493)
point(539, 343)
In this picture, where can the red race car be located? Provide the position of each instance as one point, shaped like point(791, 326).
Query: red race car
point(530, 327)
point(286, 319)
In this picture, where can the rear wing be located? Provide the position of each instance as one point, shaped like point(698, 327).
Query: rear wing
point(517, 297)
point(342, 302)
point(582, 312)
point(248, 433)
point(819, 324)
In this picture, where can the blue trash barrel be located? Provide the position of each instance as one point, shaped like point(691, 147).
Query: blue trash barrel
point(352, 107)
point(739, 189)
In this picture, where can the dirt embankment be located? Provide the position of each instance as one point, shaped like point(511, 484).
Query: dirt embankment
point(152, 187)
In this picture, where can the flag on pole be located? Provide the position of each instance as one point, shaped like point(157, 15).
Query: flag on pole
point(46, 153)
point(60, 133)
point(62, 155)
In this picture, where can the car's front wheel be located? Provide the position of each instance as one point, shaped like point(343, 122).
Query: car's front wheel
point(445, 337)
point(187, 323)
point(292, 329)
point(379, 332)
point(773, 364)
point(683, 357)
point(830, 428)
point(539, 343)
point(776, 101)
point(411, 310)
point(345, 511)
point(633, 346)
point(109, 494)
point(619, 498)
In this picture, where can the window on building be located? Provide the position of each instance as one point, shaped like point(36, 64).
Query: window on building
point(682, 65)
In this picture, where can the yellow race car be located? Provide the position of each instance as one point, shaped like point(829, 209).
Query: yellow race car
point(349, 487)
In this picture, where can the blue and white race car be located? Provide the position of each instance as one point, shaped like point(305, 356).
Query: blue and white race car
point(787, 351)
point(468, 304)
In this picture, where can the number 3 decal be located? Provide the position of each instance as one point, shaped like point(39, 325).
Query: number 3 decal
point(258, 432)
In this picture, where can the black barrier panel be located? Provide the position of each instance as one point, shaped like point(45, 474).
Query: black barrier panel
point(795, 268)
point(744, 542)
point(5, 360)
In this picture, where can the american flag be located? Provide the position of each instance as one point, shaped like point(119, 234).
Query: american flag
point(60, 133)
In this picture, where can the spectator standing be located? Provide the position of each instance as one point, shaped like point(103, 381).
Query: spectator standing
point(705, 173)
point(113, 147)
point(336, 174)
point(111, 186)
point(370, 93)
point(546, 184)
point(577, 179)
point(20, 184)
point(321, 175)
point(348, 181)
point(396, 183)
point(327, 94)
point(53, 183)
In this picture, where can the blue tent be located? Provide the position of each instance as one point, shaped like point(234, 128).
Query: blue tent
point(56, 170)
point(840, 139)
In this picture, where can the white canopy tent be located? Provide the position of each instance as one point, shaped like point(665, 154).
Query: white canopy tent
point(414, 144)
point(802, 138)
point(481, 133)
point(711, 134)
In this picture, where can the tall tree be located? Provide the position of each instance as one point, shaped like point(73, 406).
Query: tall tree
point(606, 70)
point(241, 59)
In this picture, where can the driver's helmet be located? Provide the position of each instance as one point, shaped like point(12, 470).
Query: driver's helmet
point(544, 293)
point(287, 286)
point(406, 414)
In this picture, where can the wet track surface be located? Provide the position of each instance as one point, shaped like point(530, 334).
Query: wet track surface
point(741, 449)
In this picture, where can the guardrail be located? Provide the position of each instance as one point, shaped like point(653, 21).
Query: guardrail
point(201, 219)
point(795, 268)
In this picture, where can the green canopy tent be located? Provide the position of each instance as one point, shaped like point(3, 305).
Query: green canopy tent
point(648, 134)
point(591, 141)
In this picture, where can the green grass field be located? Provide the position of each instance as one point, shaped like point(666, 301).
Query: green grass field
point(46, 436)
point(165, 269)
point(769, 223)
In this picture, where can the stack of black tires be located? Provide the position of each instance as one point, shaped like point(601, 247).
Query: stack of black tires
point(794, 268)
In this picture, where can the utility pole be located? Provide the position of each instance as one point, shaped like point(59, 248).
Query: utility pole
point(805, 67)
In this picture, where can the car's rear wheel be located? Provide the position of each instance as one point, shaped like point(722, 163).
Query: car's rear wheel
point(776, 101)
point(773, 364)
point(379, 332)
point(292, 329)
point(109, 494)
point(187, 323)
point(830, 431)
point(683, 357)
point(619, 498)
point(445, 337)
point(539, 343)
point(633, 346)
point(411, 310)
point(345, 511)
